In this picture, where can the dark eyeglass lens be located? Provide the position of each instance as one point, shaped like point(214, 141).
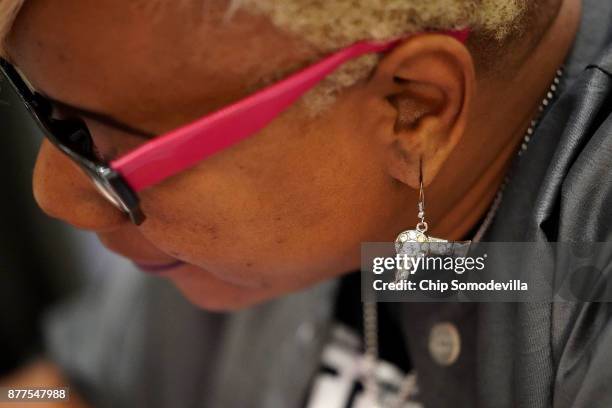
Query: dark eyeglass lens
point(73, 134)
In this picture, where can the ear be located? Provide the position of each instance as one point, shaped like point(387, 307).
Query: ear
point(427, 84)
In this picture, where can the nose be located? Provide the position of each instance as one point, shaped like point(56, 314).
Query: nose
point(63, 191)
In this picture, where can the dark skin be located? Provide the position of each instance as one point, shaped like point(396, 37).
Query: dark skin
point(289, 207)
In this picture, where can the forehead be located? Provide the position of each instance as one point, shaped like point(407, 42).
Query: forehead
point(136, 59)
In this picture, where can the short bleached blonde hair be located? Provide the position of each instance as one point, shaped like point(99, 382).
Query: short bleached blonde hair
point(331, 24)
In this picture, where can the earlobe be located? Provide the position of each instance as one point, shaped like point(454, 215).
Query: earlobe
point(428, 82)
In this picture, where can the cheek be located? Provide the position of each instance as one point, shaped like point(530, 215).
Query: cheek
point(240, 232)
point(295, 215)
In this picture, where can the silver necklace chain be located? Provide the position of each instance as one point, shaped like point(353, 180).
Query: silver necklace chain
point(370, 309)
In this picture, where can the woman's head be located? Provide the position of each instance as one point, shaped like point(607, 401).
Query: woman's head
point(289, 206)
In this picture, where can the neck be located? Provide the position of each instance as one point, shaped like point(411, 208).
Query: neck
point(456, 206)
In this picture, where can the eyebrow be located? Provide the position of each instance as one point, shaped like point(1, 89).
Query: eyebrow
point(103, 118)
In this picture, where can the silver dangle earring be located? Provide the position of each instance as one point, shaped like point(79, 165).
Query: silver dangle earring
point(415, 242)
point(422, 225)
point(417, 234)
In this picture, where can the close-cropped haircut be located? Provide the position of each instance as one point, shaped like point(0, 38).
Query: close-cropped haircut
point(496, 27)
point(328, 25)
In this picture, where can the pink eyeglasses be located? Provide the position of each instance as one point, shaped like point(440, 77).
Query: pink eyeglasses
point(169, 154)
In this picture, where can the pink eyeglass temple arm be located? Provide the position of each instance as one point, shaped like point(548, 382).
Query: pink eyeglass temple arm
point(184, 147)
